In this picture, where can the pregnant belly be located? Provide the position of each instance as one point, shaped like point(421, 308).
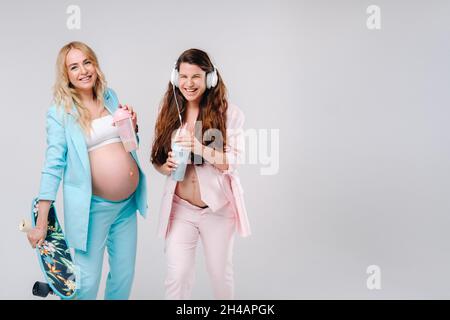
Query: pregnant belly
point(189, 188)
point(115, 175)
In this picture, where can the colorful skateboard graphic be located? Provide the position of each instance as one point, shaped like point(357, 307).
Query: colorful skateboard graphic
point(54, 258)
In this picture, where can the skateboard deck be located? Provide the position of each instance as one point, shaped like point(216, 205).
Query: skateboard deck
point(54, 258)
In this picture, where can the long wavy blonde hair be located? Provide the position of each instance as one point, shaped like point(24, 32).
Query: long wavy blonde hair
point(64, 93)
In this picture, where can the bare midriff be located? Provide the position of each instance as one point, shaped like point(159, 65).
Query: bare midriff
point(115, 175)
point(189, 188)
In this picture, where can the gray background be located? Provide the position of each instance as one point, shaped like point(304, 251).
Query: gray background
point(363, 116)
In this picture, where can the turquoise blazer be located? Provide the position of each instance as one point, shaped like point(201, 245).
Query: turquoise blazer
point(67, 159)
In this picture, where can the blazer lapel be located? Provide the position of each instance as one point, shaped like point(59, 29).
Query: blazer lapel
point(110, 103)
point(77, 136)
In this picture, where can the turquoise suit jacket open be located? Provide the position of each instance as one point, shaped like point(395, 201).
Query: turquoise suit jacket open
point(67, 159)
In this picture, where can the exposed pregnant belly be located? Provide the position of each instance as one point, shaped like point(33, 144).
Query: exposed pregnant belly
point(189, 188)
point(115, 175)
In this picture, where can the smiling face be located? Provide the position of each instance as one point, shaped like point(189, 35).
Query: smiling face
point(80, 70)
point(192, 82)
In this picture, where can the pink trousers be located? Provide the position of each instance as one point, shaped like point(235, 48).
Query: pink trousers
point(216, 230)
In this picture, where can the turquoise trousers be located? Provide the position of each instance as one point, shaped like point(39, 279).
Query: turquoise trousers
point(112, 224)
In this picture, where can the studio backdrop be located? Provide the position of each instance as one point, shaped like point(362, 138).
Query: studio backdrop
point(347, 169)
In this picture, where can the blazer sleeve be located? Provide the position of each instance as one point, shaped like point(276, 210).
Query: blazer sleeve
point(235, 147)
point(55, 156)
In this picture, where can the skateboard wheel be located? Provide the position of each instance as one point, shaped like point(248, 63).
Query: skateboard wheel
point(41, 289)
point(25, 225)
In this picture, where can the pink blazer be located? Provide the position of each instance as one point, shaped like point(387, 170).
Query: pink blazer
point(217, 187)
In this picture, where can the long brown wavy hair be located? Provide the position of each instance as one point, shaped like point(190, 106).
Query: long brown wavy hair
point(213, 108)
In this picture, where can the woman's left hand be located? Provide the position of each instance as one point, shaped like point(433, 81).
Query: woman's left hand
point(190, 142)
point(133, 114)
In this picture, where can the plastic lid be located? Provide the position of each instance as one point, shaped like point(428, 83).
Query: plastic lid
point(121, 114)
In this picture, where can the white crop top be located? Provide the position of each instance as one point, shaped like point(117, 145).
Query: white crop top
point(102, 133)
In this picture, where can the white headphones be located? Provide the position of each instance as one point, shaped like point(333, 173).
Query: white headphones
point(211, 77)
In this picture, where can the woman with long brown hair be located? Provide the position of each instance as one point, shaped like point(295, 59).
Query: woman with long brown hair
point(208, 203)
point(103, 185)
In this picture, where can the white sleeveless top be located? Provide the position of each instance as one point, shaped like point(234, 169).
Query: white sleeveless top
point(102, 133)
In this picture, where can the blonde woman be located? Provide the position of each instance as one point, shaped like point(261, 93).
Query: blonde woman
point(103, 185)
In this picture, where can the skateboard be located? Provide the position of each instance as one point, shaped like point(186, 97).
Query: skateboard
point(54, 257)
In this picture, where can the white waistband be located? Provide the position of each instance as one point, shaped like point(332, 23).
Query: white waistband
point(101, 144)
